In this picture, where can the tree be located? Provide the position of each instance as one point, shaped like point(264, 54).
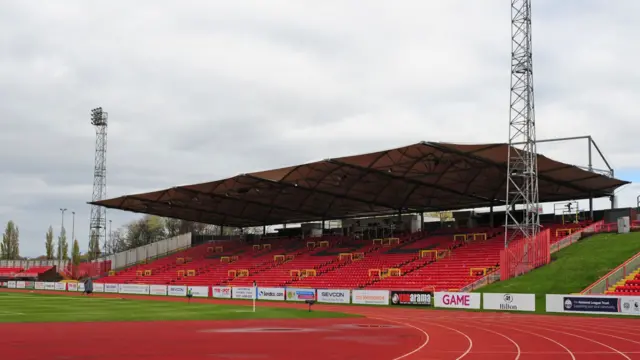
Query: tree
point(118, 242)
point(10, 246)
point(65, 250)
point(63, 246)
point(75, 253)
point(146, 230)
point(175, 227)
point(150, 229)
point(48, 244)
point(94, 245)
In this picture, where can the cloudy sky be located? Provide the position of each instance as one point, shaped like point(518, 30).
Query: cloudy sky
point(199, 90)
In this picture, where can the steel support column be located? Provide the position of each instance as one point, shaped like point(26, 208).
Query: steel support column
point(522, 169)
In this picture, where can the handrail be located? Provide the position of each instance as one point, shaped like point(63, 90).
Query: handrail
point(606, 277)
point(491, 277)
point(575, 236)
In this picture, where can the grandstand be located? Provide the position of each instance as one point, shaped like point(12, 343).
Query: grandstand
point(437, 261)
point(25, 272)
point(413, 179)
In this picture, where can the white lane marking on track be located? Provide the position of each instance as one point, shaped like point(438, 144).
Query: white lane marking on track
point(541, 336)
point(564, 347)
point(423, 345)
point(580, 337)
point(519, 352)
point(613, 328)
point(426, 341)
point(580, 328)
point(597, 322)
point(461, 333)
point(538, 335)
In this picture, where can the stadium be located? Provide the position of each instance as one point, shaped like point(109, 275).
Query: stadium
point(433, 250)
point(384, 285)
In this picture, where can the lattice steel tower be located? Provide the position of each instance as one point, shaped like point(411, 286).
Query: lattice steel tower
point(522, 170)
point(98, 221)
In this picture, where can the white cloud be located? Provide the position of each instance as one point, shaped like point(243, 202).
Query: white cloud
point(206, 89)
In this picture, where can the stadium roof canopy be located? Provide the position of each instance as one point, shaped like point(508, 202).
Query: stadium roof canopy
point(422, 177)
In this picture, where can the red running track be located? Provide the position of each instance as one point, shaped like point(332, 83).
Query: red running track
point(386, 334)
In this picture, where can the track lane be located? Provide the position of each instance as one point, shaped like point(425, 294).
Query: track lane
point(624, 347)
point(585, 346)
point(626, 334)
point(493, 344)
point(540, 339)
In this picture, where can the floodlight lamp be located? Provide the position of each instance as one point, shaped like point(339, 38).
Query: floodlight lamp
point(98, 117)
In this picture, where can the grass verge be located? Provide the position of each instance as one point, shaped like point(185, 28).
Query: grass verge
point(574, 268)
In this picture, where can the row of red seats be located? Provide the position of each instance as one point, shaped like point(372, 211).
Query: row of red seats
point(21, 272)
point(265, 266)
point(208, 266)
point(630, 287)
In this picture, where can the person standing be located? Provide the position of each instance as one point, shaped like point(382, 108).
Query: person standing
point(88, 286)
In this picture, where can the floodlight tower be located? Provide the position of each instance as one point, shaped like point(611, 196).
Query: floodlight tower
point(98, 221)
point(522, 169)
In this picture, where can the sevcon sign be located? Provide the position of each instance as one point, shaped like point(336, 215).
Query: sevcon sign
point(334, 296)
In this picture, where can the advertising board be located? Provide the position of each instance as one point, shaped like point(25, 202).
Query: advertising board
point(11, 284)
point(299, 294)
point(60, 286)
point(81, 287)
point(457, 300)
point(72, 286)
point(221, 292)
point(49, 286)
point(132, 289)
point(98, 287)
point(39, 285)
point(243, 292)
point(419, 298)
point(609, 305)
point(199, 291)
point(160, 290)
point(111, 288)
point(276, 294)
point(334, 296)
point(20, 285)
point(370, 297)
point(509, 302)
point(177, 290)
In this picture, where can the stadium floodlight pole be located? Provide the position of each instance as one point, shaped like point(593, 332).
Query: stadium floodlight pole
point(73, 226)
point(522, 168)
point(59, 238)
point(110, 236)
point(98, 219)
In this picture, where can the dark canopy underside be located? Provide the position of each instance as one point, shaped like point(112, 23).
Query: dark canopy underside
point(421, 177)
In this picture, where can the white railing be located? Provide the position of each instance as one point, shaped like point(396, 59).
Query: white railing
point(151, 251)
